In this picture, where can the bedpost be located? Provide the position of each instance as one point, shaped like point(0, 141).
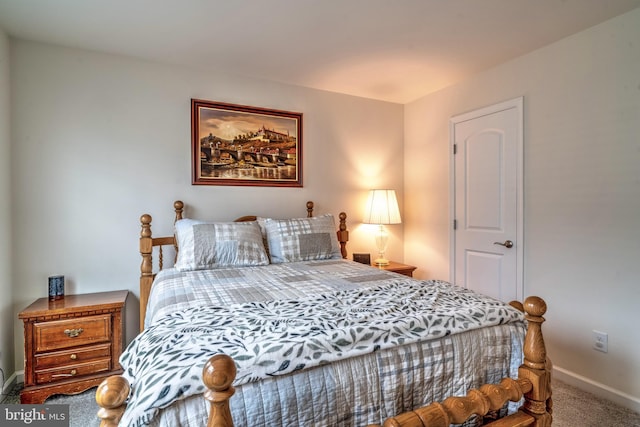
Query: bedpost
point(218, 374)
point(146, 250)
point(111, 397)
point(343, 234)
point(146, 268)
point(536, 366)
point(178, 206)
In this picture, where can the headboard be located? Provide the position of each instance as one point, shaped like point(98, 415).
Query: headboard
point(148, 243)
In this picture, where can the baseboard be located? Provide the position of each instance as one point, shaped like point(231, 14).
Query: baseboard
point(9, 383)
point(597, 389)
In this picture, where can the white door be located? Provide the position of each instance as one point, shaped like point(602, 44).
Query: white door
point(487, 200)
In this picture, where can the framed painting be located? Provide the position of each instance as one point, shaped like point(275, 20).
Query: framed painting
point(242, 145)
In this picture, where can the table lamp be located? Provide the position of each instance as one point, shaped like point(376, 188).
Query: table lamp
point(382, 208)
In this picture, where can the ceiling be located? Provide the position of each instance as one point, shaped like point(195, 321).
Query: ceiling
point(392, 50)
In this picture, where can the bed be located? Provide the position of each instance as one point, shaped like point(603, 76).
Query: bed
point(264, 321)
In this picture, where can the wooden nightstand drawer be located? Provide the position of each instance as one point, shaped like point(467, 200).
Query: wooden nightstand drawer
point(72, 356)
point(46, 376)
point(72, 332)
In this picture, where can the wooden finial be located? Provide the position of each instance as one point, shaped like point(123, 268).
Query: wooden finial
point(111, 397)
point(218, 374)
point(517, 305)
point(309, 209)
point(145, 223)
point(535, 306)
point(178, 206)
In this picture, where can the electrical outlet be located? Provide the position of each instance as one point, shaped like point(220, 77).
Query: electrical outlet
point(600, 341)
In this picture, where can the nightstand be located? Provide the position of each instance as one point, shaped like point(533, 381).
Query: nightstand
point(397, 267)
point(71, 344)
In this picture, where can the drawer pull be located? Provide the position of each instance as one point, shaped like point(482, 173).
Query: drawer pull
point(72, 373)
point(72, 333)
point(73, 356)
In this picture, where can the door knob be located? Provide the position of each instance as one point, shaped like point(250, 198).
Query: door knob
point(507, 244)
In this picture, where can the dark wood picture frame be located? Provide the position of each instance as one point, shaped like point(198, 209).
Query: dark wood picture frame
point(242, 145)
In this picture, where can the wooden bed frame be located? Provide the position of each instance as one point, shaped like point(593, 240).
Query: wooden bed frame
point(533, 383)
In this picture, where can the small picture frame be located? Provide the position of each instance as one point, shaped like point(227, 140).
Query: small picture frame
point(362, 258)
point(56, 288)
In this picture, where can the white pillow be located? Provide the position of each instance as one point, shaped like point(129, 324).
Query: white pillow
point(206, 245)
point(302, 239)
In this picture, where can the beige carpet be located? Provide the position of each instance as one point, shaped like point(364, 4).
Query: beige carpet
point(82, 407)
point(572, 408)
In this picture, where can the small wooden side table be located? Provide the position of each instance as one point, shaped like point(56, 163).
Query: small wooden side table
point(398, 267)
point(71, 344)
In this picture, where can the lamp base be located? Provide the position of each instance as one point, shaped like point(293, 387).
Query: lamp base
point(381, 242)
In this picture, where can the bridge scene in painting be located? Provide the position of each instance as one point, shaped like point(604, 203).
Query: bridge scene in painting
point(263, 148)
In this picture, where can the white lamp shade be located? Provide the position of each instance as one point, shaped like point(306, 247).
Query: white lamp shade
point(382, 208)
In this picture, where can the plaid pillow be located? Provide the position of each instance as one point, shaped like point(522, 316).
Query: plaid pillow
point(206, 245)
point(302, 239)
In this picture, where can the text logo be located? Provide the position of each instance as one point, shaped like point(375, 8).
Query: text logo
point(34, 415)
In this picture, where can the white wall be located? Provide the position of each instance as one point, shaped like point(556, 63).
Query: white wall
point(99, 140)
point(6, 303)
point(582, 193)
